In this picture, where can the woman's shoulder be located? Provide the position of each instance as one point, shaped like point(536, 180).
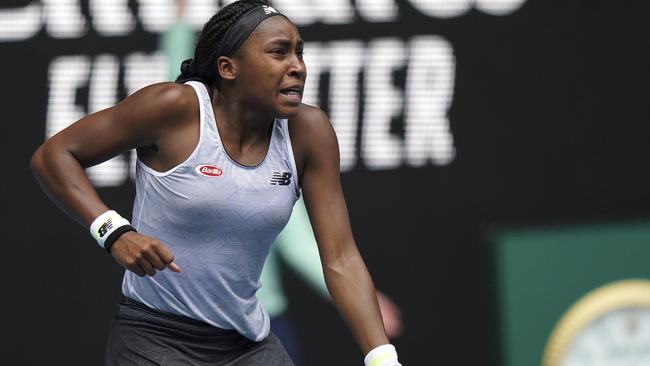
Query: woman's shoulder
point(311, 129)
point(166, 96)
point(310, 113)
point(160, 103)
point(308, 118)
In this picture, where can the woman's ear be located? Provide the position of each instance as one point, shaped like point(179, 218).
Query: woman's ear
point(226, 68)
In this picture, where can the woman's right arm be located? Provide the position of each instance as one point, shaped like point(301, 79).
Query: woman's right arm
point(138, 121)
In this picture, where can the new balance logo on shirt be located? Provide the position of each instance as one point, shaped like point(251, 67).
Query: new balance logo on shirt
point(281, 179)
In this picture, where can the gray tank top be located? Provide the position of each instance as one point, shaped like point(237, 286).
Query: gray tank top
point(219, 219)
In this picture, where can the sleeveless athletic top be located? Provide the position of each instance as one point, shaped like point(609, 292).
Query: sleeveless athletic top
point(219, 219)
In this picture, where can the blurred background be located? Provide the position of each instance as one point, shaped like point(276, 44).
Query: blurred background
point(494, 157)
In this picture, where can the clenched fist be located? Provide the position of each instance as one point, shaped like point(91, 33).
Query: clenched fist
point(142, 254)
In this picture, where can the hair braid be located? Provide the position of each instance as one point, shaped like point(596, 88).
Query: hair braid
point(202, 67)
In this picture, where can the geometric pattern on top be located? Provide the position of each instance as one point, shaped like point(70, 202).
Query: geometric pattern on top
point(219, 219)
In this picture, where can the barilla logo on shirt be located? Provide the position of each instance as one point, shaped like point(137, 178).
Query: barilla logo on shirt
point(208, 170)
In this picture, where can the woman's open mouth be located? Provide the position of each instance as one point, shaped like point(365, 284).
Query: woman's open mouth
point(293, 93)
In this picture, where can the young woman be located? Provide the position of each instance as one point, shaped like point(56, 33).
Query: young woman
point(222, 156)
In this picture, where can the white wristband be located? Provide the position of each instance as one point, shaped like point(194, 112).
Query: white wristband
point(105, 224)
point(384, 355)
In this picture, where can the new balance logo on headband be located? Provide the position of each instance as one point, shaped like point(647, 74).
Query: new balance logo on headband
point(281, 179)
point(268, 10)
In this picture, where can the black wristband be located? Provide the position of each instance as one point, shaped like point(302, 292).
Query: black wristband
point(110, 240)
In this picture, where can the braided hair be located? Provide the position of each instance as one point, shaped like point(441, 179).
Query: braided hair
point(202, 66)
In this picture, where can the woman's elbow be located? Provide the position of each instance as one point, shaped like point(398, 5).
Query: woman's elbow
point(343, 264)
point(37, 162)
point(43, 158)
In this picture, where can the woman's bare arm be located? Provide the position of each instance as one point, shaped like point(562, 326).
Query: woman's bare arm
point(345, 272)
point(140, 120)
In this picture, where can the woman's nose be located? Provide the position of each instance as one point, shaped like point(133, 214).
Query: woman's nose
point(298, 68)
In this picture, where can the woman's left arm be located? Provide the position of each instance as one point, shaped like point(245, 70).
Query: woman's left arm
point(346, 275)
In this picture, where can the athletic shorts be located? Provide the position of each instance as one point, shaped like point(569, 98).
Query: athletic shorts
point(140, 335)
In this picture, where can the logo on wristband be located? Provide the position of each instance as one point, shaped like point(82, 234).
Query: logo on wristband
point(208, 170)
point(108, 225)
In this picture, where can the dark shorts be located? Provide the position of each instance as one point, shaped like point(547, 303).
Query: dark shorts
point(140, 335)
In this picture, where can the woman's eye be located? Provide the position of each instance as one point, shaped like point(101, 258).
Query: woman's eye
point(278, 51)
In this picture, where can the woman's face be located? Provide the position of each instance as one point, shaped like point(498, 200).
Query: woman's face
point(270, 68)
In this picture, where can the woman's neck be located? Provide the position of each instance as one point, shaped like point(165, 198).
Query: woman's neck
point(239, 123)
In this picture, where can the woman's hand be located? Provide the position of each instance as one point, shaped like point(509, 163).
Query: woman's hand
point(391, 315)
point(142, 254)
